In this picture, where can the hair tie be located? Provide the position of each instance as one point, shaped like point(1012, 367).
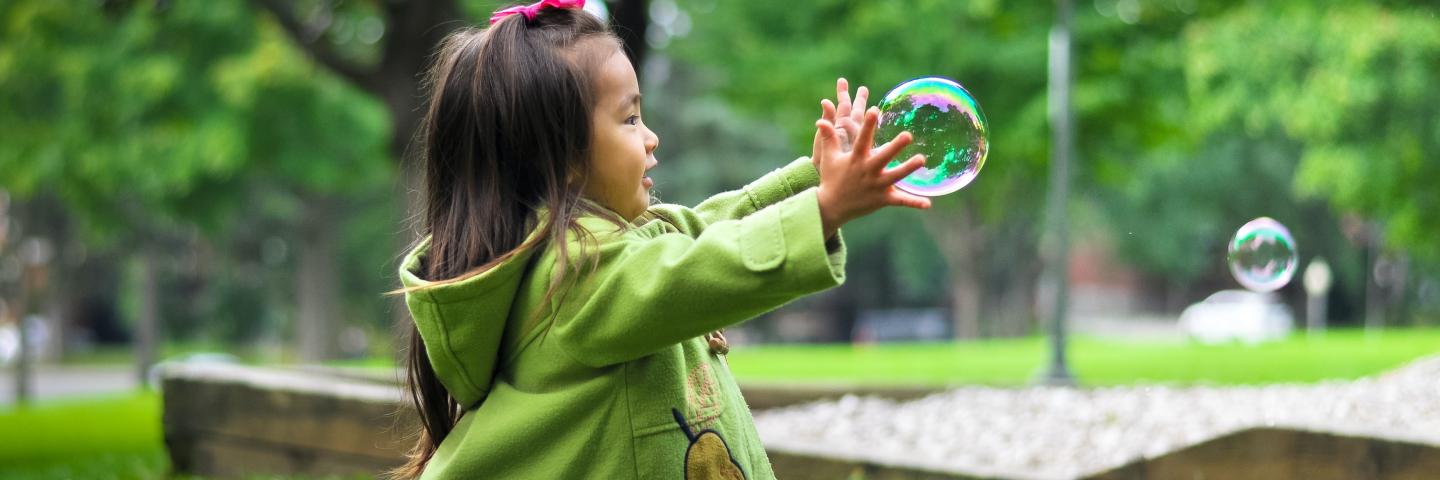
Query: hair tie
point(529, 11)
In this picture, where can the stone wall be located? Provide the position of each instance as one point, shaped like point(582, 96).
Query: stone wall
point(1276, 453)
point(228, 420)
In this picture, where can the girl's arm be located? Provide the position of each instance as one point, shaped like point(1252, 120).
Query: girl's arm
point(780, 184)
point(648, 293)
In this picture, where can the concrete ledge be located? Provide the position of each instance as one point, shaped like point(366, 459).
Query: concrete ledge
point(232, 420)
point(1273, 453)
point(227, 420)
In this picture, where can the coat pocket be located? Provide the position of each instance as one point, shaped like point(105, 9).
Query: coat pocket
point(762, 240)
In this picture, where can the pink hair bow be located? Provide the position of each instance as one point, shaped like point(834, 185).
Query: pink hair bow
point(529, 11)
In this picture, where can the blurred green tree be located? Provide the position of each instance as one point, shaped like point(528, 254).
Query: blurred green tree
point(1352, 83)
point(775, 61)
point(148, 119)
point(1193, 118)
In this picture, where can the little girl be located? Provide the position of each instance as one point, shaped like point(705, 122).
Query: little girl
point(563, 323)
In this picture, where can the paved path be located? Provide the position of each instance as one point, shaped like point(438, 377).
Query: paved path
point(56, 382)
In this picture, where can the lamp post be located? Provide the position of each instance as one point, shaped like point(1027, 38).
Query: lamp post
point(1055, 246)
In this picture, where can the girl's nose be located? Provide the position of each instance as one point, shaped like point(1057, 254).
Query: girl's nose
point(652, 141)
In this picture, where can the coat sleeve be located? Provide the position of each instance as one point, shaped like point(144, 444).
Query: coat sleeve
point(646, 294)
point(780, 184)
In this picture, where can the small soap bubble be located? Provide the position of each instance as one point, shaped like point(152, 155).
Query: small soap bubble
point(948, 127)
point(1262, 255)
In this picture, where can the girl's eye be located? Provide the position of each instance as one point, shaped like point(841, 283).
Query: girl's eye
point(634, 119)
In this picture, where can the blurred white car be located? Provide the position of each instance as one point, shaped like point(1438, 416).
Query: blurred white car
point(9, 344)
point(1231, 315)
point(38, 331)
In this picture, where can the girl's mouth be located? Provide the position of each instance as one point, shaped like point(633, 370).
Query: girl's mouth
point(647, 182)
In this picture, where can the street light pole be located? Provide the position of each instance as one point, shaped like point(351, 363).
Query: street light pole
point(1055, 248)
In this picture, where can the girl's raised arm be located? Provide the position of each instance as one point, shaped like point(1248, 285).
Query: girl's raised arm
point(650, 293)
point(780, 184)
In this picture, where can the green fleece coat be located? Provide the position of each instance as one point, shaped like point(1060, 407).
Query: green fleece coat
point(610, 378)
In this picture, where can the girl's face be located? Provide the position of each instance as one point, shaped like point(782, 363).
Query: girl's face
point(622, 148)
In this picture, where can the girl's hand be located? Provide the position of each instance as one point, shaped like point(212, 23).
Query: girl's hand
point(854, 182)
point(846, 117)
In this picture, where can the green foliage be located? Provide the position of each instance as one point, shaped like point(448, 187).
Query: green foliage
point(775, 61)
point(144, 116)
point(201, 126)
point(305, 129)
point(116, 112)
point(200, 131)
point(1352, 83)
point(705, 145)
point(1193, 117)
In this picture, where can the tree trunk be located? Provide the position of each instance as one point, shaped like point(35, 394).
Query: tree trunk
point(1016, 306)
point(318, 281)
point(1374, 311)
point(960, 240)
point(965, 295)
point(631, 21)
point(23, 366)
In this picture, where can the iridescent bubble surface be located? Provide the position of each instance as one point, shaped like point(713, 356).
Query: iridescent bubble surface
point(948, 127)
point(1262, 255)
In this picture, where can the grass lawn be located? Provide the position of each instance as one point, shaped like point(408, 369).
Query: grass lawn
point(1345, 354)
point(115, 437)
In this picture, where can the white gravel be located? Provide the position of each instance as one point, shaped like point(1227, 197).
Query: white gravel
point(1045, 432)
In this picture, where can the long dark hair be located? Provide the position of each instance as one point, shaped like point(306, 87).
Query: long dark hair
point(507, 132)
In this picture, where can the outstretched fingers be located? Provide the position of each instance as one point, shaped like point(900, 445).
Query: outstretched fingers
point(857, 109)
point(842, 94)
point(866, 139)
point(903, 170)
point(901, 198)
point(827, 110)
point(887, 152)
point(827, 137)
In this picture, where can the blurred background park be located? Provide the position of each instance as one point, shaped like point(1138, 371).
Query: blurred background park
point(223, 181)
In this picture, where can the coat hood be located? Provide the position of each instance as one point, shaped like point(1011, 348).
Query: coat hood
point(462, 323)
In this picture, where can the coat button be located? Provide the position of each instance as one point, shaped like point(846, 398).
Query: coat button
point(718, 345)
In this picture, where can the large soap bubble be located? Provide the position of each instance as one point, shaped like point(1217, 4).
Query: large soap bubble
point(1262, 255)
point(948, 127)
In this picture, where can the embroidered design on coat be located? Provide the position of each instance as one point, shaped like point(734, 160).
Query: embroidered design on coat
point(708, 456)
point(702, 395)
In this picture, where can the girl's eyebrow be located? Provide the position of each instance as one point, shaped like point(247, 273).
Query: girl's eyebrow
point(632, 100)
